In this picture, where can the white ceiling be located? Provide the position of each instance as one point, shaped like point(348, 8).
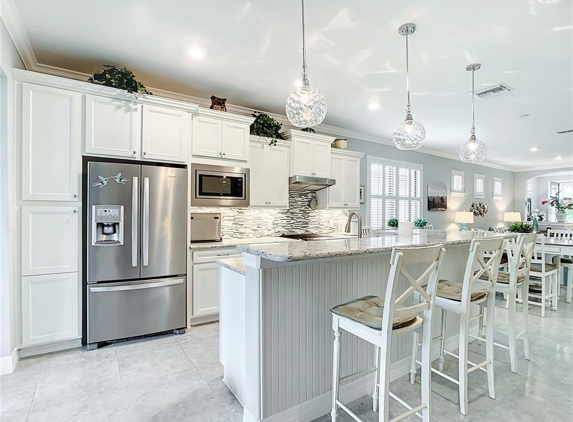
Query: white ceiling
point(355, 57)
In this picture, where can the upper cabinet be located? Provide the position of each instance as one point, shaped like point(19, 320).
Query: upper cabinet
point(310, 154)
point(346, 172)
point(269, 173)
point(113, 127)
point(221, 135)
point(166, 134)
point(51, 139)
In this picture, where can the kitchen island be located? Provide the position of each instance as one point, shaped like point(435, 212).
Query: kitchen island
point(275, 323)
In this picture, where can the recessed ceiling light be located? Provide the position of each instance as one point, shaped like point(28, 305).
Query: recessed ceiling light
point(197, 53)
point(547, 1)
point(523, 116)
point(298, 83)
point(533, 149)
point(558, 157)
point(373, 106)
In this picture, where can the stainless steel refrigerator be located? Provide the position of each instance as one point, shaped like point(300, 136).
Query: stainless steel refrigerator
point(135, 250)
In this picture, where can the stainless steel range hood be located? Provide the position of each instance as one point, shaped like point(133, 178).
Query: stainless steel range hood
point(309, 183)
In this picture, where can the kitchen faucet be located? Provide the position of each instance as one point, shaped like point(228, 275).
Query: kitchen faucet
point(350, 215)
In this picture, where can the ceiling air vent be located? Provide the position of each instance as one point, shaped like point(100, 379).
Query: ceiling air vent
point(490, 91)
point(563, 132)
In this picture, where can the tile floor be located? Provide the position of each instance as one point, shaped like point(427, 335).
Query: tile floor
point(178, 378)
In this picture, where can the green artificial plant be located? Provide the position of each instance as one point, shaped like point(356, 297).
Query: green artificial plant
point(520, 227)
point(120, 78)
point(266, 127)
point(393, 222)
point(420, 223)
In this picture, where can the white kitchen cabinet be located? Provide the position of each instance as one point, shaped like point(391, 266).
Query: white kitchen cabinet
point(50, 308)
point(346, 172)
point(51, 142)
point(310, 154)
point(50, 240)
point(206, 280)
point(166, 134)
point(221, 135)
point(269, 173)
point(113, 127)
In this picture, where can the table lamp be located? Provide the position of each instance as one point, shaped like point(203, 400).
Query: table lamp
point(464, 217)
point(511, 217)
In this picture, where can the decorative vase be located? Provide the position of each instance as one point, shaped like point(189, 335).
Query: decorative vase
point(535, 224)
point(560, 215)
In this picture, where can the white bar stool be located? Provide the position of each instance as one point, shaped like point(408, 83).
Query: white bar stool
point(376, 320)
point(516, 280)
point(545, 277)
point(457, 297)
point(564, 261)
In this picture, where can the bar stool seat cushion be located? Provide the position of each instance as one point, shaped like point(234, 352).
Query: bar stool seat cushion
point(503, 277)
point(536, 267)
point(368, 311)
point(452, 290)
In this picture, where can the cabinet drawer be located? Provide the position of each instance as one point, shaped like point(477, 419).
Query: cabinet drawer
point(212, 255)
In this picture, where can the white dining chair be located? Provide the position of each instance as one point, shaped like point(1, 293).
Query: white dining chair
point(377, 320)
point(543, 279)
point(456, 297)
point(564, 261)
point(519, 252)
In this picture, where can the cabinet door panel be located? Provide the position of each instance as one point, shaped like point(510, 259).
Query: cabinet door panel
point(207, 134)
point(51, 139)
point(50, 240)
point(258, 176)
point(321, 159)
point(336, 192)
point(206, 279)
point(166, 134)
point(235, 145)
point(277, 176)
point(302, 157)
point(351, 183)
point(50, 308)
point(113, 127)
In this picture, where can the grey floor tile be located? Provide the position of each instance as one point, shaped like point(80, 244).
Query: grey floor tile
point(15, 418)
point(153, 363)
point(201, 351)
point(16, 398)
point(144, 344)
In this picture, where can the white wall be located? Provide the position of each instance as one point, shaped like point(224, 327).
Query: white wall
point(438, 169)
point(9, 59)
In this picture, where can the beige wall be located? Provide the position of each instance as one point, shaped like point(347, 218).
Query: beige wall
point(9, 59)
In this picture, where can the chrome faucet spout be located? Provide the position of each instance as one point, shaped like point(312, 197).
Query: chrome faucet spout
point(348, 223)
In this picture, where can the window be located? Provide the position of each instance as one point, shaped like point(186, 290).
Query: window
point(479, 186)
point(497, 188)
point(458, 182)
point(395, 191)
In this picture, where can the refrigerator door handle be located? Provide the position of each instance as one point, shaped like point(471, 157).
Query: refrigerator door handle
point(136, 286)
point(134, 220)
point(145, 231)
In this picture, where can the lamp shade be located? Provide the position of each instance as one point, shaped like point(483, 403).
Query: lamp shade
point(511, 216)
point(464, 217)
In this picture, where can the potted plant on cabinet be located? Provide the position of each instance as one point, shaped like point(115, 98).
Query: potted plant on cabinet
point(266, 126)
point(120, 78)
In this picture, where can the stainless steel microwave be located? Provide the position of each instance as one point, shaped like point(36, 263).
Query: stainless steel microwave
point(218, 186)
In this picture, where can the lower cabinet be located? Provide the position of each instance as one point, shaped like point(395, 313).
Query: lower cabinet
point(206, 280)
point(50, 308)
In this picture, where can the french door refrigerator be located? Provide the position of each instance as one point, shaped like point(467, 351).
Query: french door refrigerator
point(135, 250)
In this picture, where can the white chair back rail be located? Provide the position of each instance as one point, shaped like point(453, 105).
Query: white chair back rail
point(477, 266)
point(560, 234)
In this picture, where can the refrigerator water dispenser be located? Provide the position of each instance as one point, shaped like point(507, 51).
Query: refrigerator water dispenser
point(107, 225)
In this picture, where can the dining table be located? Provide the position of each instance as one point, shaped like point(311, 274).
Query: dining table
point(560, 247)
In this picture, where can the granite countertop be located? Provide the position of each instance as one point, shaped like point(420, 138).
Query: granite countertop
point(234, 264)
point(298, 251)
point(229, 243)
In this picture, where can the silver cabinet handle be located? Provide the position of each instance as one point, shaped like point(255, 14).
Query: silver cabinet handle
point(145, 231)
point(223, 154)
point(137, 286)
point(134, 220)
point(75, 196)
point(134, 153)
point(75, 211)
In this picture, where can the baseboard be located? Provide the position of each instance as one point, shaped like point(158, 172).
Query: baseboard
point(8, 363)
point(203, 320)
point(48, 348)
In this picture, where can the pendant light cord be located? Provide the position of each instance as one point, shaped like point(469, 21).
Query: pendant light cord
point(407, 75)
point(304, 68)
point(473, 105)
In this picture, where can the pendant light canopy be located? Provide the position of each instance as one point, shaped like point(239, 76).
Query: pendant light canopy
point(306, 107)
point(409, 134)
point(473, 151)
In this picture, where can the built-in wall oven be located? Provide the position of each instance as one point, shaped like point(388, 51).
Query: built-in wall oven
point(218, 186)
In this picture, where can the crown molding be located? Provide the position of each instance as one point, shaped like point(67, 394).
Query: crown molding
point(548, 167)
point(16, 30)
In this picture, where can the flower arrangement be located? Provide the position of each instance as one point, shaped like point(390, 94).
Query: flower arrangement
point(479, 209)
point(393, 222)
point(558, 204)
point(536, 215)
point(420, 223)
point(121, 78)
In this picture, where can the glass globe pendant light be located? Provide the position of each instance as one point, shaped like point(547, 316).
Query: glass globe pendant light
point(474, 150)
point(306, 107)
point(409, 134)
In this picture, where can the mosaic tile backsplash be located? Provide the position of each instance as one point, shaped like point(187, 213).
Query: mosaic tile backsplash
point(259, 222)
